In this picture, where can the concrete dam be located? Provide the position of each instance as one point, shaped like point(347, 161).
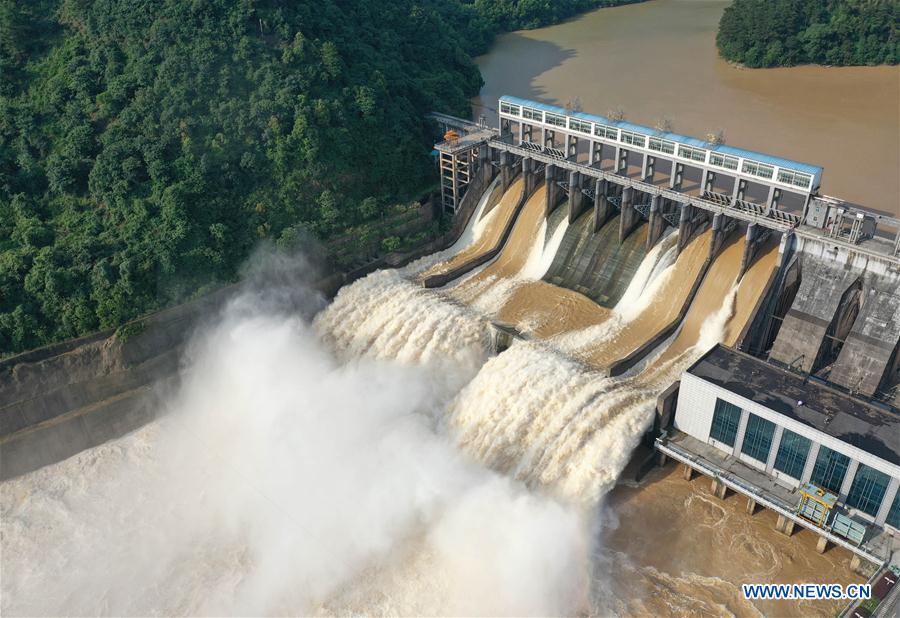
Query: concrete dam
point(595, 270)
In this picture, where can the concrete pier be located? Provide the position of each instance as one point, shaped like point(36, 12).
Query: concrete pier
point(529, 177)
point(657, 223)
point(687, 472)
point(751, 247)
point(629, 217)
point(751, 506)
point(576, 197)
point(784, 525)
point(719, 489)
point(603, 210)
point(685, 226)
point(506, 171)
point(822, 545)
point(718, 235)
point(553, 189)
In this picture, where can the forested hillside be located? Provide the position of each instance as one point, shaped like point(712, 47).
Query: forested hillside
point(770, 33)
point(146, 146)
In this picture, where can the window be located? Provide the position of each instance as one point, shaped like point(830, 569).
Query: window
point(726, 419)
point(868, 489)
point(830, 469)
point(893, 518)
point(580, 126)
point(661, 145)
point(694, 154)
point(507, 108)
point(794, 178)
point(758, 169)
point(634, 139)
point(555, 119)
point(792, 453)
point(601, 130)
point(758, 438)
point(724, 161)
point(532, 114)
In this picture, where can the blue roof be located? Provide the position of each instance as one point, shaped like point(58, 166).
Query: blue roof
point(675, 137)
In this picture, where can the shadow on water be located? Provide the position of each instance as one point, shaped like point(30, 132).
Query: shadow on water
point(531, 59)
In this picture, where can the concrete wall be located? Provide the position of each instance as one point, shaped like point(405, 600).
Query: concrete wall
point(868, 349)
point(822, 287)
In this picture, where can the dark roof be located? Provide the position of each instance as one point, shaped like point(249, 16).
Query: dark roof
point(826, 409)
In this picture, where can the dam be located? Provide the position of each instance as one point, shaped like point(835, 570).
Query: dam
point(610, 297)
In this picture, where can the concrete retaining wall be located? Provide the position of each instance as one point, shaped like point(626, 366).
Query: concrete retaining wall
point(868, 349)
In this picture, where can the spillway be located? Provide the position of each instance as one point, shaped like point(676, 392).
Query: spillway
point(596, 264)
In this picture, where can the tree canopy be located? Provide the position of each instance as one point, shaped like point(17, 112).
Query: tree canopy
point(771, 33)
point(147, 145)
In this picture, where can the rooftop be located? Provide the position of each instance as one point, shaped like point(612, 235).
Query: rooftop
point(837, 414)
point(675, 137)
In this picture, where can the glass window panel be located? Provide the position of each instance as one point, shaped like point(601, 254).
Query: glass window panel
point(893, 518)
point(792, 453)
point(868, 489)
point(758, 438)
point(830, 469)
point(726, 418)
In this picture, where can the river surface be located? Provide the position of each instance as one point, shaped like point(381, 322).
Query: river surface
point(657, 60)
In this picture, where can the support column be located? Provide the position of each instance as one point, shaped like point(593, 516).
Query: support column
point(750, 247)
point(552, 189)
point(602, 207)
point(521, 132)
point(685, 226)
point(571, 146)
point(822, 544)
point(687, 472)
point(621, 161)
point(657, 223)
point(740, 185)
point(529, 178)
point(887, 501)
point(773, 198)
point(784, 525)
point(661, 459)
point(751, 506)
point(597, 156)
point(677, 176)
point(718, 488)
point(576, 197)
point(628, 217)
point(506, 172)
point(848, 479)
point(718, 235)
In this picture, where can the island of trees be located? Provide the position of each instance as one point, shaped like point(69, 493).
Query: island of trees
point(146, 147)
point(771, 33)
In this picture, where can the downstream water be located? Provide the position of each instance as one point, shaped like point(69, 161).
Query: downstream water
point(657, 60)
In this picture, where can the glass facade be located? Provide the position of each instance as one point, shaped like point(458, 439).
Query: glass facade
point(758, 169)
point(601, 130)
point(579, 125)
point(758, 438)
point(633, 138)
point(694, 154)
point(555, 120)
point(868, 489)
point(794, 178)
point(725, 161)
point(532, 114)
point(726, 419)
point(661, 145)
point(830, 469)
point(893, 518)
point(506, 108)
point(792, 453)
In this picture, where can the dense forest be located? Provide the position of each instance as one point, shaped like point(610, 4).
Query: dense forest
point(146, 146)
point(770, 33)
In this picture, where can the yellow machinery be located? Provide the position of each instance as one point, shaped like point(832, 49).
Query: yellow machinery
point(815, 504)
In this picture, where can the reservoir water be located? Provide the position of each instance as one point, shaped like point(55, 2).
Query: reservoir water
point(657, 61)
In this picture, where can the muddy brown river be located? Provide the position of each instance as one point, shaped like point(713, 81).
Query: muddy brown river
point(657, 60)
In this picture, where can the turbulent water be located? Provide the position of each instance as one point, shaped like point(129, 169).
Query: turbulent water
point(381, 458)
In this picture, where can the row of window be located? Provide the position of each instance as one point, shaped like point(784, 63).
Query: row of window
point(830, 470)
point(794, 178)
point(694, 154)
point(760, 170)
